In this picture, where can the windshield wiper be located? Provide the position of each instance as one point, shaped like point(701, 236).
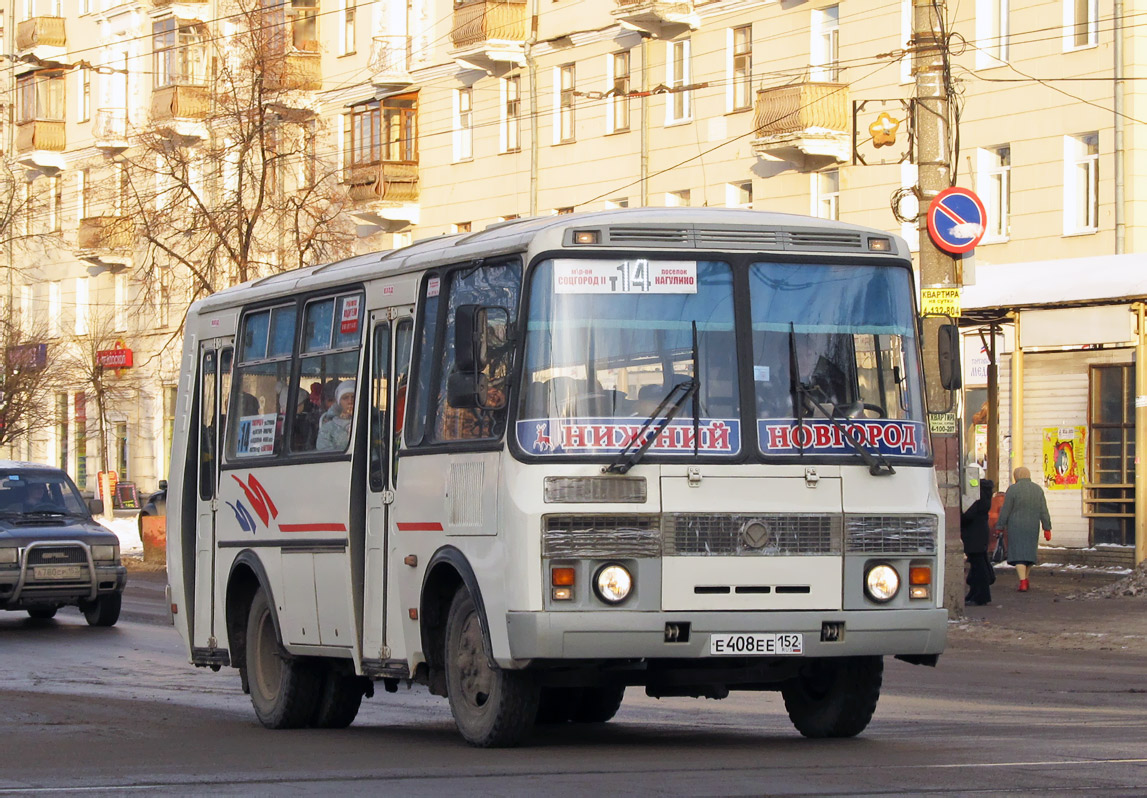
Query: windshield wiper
point(629, 456)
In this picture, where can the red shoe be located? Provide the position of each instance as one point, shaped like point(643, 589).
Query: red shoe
point(1023, 588)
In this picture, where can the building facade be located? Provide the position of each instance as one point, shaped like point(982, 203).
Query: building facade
point(391, 122)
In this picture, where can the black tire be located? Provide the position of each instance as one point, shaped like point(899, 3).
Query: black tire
point(340, 697)
point(42, 613)
point(104, 611)
point(597, 704)
point(834, 697)
point(284, 689)
point(492, 708)
point(555, 705)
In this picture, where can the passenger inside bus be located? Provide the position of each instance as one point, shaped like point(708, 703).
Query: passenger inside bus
point(334, 426)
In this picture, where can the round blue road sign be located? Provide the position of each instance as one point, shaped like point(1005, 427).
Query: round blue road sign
point(956, 220)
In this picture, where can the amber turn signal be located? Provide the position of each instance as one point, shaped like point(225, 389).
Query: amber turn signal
point(562, 577)
point(920, 575)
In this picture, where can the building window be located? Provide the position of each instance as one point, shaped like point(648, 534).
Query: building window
point(678, 199)
point(563, 211)
point(739, 195)
point(511, 113)
point(566, 86)
point(1111, 462)
point(826, 194)
point(740, 68)
point(163, 297)
point(179, 53)
point(82, 303)
point(40, 97)
point(384, 131)
point(170, 393)
point(826, 44)
point(617, 108)
point(461, 227)
point(1081, 184)
point(55, 202)
point(62, 429)
point(1080, 23)
point(83, 183)
point(85, 95)
point(346, 28)
point(995, 182)
point(464, 124)
point(906, 24)
point(991, 32)
point(679, 101)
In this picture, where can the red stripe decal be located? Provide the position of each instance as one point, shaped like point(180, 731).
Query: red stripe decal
point(312, 527)
point(421, 526)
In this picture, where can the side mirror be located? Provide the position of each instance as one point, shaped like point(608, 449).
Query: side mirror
point(96, 506)
point(163, 484)
point(469, 344)
point(948, 352)
point(466, 389)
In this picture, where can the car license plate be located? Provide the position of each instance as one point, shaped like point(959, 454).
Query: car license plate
point(758, 644)
point(57, 572)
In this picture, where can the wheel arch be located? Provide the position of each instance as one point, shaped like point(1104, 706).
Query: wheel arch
point(247, 575)
point(447, 571)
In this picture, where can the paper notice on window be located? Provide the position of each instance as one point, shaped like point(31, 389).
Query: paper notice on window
point(637, 276)
point(256, 435)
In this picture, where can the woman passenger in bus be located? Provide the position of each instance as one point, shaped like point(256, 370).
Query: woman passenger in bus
point(334, 426)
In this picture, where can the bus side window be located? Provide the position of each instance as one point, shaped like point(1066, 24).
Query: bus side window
point(403, 343)
point(379, 388)
point(263, 368)
point(207, 427)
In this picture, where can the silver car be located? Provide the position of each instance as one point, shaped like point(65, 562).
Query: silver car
point(52, 552)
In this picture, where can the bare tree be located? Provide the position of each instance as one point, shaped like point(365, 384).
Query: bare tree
point(31, 372)
point(227, 181)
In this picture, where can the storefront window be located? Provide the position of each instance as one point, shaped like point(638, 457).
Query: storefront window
point(1110, 496)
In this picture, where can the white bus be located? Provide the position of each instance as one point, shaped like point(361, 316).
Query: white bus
point(530, 467)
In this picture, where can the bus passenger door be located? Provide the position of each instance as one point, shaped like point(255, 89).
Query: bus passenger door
point(215, 372)
point(392, 336)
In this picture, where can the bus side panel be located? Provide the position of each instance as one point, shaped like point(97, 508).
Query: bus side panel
point(182, 479)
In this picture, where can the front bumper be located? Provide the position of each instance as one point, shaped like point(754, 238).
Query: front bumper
point(20, 590)
point(642, 635)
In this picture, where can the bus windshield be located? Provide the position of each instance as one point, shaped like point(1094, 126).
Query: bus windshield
point(608, 340)
point(834, 354)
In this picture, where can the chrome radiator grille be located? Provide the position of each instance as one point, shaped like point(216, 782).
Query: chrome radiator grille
point(721, 534)
point(891, 534)
point(57, 555)
point(601, 536)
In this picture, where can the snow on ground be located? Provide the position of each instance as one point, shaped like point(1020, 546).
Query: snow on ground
point(127, 530)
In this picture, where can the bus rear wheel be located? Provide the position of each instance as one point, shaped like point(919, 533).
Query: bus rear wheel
point(340, 697)
point(284, 689)
point(492, 708)
point(834, 697)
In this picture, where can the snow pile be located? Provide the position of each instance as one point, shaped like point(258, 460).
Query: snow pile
point(127, 530)
point(1134, 584)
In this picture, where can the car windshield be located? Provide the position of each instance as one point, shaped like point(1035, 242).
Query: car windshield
point(608, 341)
point(38, 494)
point(835, 342)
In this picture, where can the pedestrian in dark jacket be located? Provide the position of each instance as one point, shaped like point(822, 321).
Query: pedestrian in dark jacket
point(974, 533)
point(1024, 510)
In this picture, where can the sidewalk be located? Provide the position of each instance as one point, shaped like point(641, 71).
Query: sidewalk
point(1055, 612)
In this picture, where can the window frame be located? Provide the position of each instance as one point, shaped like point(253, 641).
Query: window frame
point(565, 104)
point(619, 72)
point(1080, 34)
point(464, 124)
point(993, 32)
point(825, 48)
point(995, 182)
point(511, 96)
point(678, 75)
point(740, 69)
point(1076, 155)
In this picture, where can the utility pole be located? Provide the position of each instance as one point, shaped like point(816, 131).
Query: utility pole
point(937, 268)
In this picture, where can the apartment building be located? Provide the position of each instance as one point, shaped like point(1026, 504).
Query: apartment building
point(383, 123)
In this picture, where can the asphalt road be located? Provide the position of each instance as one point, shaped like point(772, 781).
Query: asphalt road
point(118, 711)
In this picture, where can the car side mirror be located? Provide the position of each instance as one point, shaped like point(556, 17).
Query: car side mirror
point(466, 389)
point(948, 353)
point(96, 506)
point(163, 484)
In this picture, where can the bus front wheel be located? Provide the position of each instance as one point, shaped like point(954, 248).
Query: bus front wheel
point(284, 689)
point(493, 708)
point(834, 697)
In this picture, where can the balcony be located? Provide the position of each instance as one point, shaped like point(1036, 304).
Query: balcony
point(489, 35)
point(181, 110)
point(385, 196)
point(389, 59)
point(661, 20)
point(42, 37)
point(295, 71)
point(106, 241)
point(109, 129)
point(803, 123)
point(40, 145)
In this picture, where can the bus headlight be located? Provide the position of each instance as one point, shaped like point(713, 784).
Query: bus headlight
point(881, 583)
point(613, 583)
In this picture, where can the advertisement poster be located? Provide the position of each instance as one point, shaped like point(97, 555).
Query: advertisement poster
point(1064, 453)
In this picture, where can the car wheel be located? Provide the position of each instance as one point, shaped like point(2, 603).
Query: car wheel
point(284, 688)
point(104, 611)
point(42, 613)
point(492, 708)
point(834, 697)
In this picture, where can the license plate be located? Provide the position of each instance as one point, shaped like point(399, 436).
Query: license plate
point(755, 645)
point(57, 572)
